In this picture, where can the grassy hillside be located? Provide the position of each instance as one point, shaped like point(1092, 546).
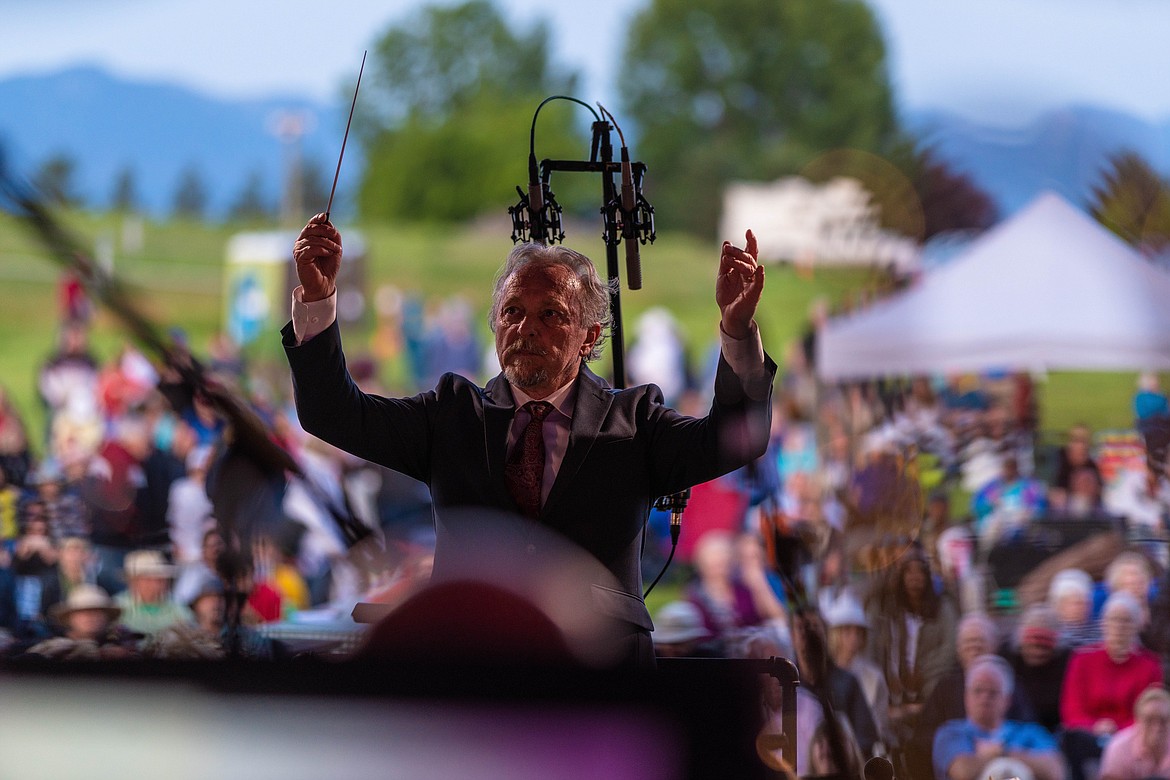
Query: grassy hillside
point(177, 269)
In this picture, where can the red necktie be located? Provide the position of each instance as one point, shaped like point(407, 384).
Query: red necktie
point(524, 470)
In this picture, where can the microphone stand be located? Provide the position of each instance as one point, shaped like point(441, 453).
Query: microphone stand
point(626, 216)
point(540, 221)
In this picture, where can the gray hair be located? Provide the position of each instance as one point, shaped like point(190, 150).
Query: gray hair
point(1038, 615)
point(985, 625)
point(1125, 560)
point(997, 665)
point(1123, 601)
point(592, 301)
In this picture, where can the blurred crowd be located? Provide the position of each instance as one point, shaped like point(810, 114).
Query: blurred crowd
point(137, 524)
point(960, 593)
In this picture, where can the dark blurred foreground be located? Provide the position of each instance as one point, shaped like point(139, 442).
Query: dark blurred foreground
point(311, 718)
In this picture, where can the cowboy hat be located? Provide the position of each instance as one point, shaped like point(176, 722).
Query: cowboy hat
point(147, 563)
point(85, 597)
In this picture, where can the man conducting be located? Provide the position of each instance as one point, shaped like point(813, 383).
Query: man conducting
point(547, 438)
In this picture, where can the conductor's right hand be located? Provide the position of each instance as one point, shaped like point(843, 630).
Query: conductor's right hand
point(317, 253)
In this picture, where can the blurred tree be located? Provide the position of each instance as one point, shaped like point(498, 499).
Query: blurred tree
point(305, 191)
point(446, 123)
point(1134, 202)
point(124, 197)
point(751, 90)
point(314, 186)
point(951, 201)
point(55, 180)
point(190, 201)
point(250, 204)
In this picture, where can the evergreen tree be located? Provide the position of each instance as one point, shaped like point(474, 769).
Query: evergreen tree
point(190, 199)
point(1134, 202)
point(55, 180)
point(250, 204)
point(124, 197)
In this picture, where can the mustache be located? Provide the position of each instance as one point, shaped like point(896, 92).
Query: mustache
point(524, 346)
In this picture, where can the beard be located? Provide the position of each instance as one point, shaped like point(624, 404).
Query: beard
point(518, 368)
point(523, 377)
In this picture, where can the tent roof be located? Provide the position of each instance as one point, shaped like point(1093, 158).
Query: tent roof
point(1048, 289)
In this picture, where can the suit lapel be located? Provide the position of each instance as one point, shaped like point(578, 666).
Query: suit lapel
point(589, 410)
point(498, 409)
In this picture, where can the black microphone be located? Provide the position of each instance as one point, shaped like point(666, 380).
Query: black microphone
point(629, 223)
point(675, 503)
point(878, 768)
point(535, 201)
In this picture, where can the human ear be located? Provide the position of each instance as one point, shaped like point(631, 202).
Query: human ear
point(591, 336)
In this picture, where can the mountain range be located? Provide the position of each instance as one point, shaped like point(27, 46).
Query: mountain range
point(1066, 151)
point(158, 131)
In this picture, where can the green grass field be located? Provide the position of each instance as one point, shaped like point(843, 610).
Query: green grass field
point(178, 276)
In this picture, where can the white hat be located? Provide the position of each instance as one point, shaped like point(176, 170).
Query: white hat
point(1070, 581)
point(147, 563)
point(85, 597)
point(846, 611)
point(679, 621)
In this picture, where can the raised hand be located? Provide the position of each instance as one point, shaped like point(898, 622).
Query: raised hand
point(317, 253)
point(738, 288)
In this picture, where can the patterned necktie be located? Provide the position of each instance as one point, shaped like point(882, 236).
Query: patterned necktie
point(524, 470)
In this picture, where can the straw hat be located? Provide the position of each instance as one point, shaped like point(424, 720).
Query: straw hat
point(147, 563)
point(845, 611)
point(85, 597)
point(679, 621)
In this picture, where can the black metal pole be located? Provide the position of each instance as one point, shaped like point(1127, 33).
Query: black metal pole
point(612, 239)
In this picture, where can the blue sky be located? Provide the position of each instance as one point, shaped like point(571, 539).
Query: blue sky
point(999, 62)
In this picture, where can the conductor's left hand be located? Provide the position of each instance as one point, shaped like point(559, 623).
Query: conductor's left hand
point(738, 288)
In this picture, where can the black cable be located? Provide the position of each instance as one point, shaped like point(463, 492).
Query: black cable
point(536, 113)
point(665, 566)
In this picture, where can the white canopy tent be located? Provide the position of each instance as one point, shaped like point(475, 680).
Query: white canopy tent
point(1049, 288)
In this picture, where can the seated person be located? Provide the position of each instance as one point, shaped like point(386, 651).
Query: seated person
point(976, 637)
point(981, 744)
point(1142, 497)
point(1142, 750)
point(822, 752)
point(1129, 572)
point(1084, 498)
point(1070, 594)
point(76, 565)
point(208, 637)
point(726, 604)
point(88, 618)
point(1103, 682)
point(830, 683)
point(147, 606)
point(848, 634)
point(1039, 663)
point(1007, 502)
point(1075, 455)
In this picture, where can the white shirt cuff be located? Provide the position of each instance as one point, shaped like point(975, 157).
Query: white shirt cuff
point(312, 318)
point(746, 358)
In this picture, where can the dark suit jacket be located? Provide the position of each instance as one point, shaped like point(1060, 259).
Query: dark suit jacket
point(626, 448)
